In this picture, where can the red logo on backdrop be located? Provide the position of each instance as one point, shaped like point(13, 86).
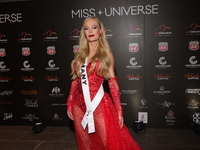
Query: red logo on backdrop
point(52, 78)
point(192, 76)
point(133, 47)
point(193, 45)
point(2, 52)
point(75, 48)
point(26, 51)
point(133, 76)
point(4, 79)
point(27, 78)
point(162, 76)
point(163, 46)
point(51, 50)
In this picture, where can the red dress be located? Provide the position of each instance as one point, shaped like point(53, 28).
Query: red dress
point(108, 134)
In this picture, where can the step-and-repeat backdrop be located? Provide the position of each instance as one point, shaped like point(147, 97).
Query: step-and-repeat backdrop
point(156, 50)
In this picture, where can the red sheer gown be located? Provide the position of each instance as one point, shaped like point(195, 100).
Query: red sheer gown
point(108, 135)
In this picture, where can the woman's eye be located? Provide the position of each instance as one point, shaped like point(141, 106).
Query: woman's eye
point(94, 27)
point(85, 28)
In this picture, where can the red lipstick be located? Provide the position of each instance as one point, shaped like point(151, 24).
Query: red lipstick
point(91, 35)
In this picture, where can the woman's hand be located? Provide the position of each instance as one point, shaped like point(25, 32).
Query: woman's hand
point(70, 115)
point(121, 121)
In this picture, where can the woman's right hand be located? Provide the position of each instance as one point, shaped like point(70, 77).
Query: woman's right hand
point(70, 115)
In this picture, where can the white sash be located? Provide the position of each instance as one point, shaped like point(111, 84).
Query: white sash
point(90, 105)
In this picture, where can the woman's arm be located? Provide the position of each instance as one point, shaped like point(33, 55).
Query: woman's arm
point(114, 90)
point(69, 102)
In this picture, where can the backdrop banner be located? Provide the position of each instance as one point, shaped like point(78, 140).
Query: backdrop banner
point(156, 50)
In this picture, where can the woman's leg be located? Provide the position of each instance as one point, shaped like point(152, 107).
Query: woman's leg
point(83, 139)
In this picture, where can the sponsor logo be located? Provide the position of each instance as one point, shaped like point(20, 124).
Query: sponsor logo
point(170, 119)
point(11, 18)
point(56, 117)
point(162, 91)
point(124, 104)
point(196, 117)
point(74, 34)
point(2, 52)
point(27, 66)
point(31, 103)
point(3, 67)
point(52, 66)
point(3, 38)
point(163, 30)
point(30, 92)
point(133, 32)
point(30, 117)
point(24, 37)
point(134, 64)
point(7, 116)
point(166, 104)
point(191, 76)
point(143, 103)
point(133, 77)
point(5, 103)
point(4, 79)
point(118, 11)
point(52, 78)
point(27, 78)
point(108, 33)
point(6, 93)
point(26, 51)
point(49, 35)
point(56, 92)
point(163, 64)
point(133, 47)
point(143, 116)
point(193, 63)
point(162, 76)
point(75, 48)
point(51, 50)
point(193, 91)
point(193, 104)
point(128, 91)
point(193, 29)
point(163, 46)
point(56, 104)
point(194, 45)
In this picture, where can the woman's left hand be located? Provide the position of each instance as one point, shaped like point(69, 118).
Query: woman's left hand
point(70, 115)
point(121, 121)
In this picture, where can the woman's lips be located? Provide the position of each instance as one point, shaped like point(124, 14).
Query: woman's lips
point(91, 35)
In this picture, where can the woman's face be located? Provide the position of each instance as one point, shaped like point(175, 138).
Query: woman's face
point(92, 30)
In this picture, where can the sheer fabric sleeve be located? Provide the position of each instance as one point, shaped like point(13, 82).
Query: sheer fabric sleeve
point(69, 102)
point(115, 94)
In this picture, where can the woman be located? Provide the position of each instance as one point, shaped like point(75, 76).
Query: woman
point(98, 118)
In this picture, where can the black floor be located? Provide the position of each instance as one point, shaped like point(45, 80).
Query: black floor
point(63, 138)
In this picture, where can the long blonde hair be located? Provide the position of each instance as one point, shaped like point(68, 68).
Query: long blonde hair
point(102, 54)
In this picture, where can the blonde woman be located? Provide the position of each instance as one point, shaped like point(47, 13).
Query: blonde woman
point(97, 115)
